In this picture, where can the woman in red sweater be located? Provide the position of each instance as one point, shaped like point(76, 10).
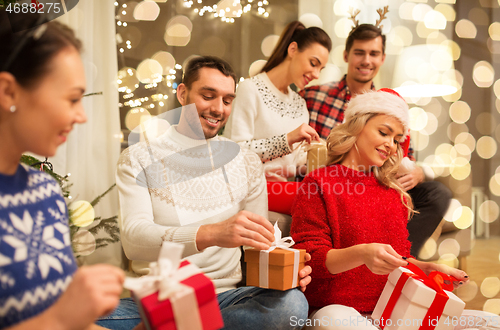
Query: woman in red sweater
point(351, 216)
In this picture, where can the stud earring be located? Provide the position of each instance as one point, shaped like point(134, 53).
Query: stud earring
point(13, 108)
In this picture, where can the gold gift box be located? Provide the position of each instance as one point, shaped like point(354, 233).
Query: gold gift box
point(316, 157)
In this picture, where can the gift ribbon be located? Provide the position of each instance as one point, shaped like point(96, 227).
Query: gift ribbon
point(165, 277)
point(283, 243)
point(435, 280)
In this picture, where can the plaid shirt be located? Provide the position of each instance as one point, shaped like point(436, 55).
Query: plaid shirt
point(326, 104)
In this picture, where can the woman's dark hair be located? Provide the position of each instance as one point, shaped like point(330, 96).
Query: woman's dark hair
point(34, 46)
point(191, 72)
point(304, 37)
point(364, 32)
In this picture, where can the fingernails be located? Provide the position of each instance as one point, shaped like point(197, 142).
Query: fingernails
point(466, 276)
point(460, 282)
point(404, 258)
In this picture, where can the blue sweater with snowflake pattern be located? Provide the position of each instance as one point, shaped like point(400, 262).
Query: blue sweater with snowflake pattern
point(36, 259)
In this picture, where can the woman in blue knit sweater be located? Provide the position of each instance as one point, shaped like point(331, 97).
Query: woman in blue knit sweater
point(41, 86)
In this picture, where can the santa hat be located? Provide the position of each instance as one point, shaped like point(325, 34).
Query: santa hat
point(385, 101)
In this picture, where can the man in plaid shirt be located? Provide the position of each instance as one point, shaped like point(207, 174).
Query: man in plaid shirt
point(326, 104)
point(365, 53)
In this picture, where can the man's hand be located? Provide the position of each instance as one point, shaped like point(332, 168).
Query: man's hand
point(410, 180)
point(305, 275)
point(244, 228)
point(301, 133)
point(382, 259)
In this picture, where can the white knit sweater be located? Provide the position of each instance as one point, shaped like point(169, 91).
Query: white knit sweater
point(168, 188)
point(262, 116)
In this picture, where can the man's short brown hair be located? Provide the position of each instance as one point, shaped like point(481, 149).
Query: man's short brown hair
point(364, 32)
point(191, 72)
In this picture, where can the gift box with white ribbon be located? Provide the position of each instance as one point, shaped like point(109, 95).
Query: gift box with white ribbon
point(276, 268)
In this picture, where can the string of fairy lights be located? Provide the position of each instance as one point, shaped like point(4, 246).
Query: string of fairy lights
point(129, 79)
point(228, 10)
point(156, 77)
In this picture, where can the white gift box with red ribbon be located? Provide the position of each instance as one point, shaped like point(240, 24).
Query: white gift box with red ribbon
point(412, 300)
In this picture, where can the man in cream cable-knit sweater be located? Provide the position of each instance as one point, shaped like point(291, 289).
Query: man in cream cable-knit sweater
point(191, 186)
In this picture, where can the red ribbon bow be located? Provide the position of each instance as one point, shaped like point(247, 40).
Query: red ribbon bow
point(436, 281)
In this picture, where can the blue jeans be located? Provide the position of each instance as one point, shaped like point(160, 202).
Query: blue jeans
point(124, 317)
point(255, 308)
point(242, 308)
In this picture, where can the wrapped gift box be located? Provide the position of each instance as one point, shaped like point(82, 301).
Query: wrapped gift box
point(276, 268)
point(280, 270)
point(316, 156)
point(188, 300)
point(414, 304)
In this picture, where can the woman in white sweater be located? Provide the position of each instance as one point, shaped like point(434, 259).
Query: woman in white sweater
point(268, 117)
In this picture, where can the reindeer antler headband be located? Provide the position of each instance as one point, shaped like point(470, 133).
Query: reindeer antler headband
point(381, 12)
point(353, 14)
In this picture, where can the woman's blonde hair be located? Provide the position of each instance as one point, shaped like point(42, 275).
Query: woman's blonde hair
point(343, 138)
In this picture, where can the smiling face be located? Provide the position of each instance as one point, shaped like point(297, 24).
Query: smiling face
point(376, 143)
point(46, 114)
point(212, 94)
point(364, 59)
point(307, 64)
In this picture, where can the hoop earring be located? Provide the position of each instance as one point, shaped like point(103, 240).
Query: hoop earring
point(355, 146)
point(12, 108)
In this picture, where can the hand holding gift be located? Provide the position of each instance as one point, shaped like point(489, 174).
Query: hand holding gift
point(305, 274)
point(175, 295)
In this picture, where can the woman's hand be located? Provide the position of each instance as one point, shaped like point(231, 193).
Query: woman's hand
point(301, 133)
point(95, 290)
point(382, 259)
point(428, 267)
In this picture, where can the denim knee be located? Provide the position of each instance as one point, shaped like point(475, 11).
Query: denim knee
point(296, 305)
point(125, 316)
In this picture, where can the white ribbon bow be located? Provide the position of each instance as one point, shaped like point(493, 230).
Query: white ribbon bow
point(284, 243)
point(280, 242)
point(165, 277)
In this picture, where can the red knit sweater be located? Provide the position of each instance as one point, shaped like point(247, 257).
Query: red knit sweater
point(337, 207)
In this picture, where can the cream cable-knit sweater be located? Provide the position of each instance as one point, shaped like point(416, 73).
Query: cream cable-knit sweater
point(167, 189)
point(261, 118)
